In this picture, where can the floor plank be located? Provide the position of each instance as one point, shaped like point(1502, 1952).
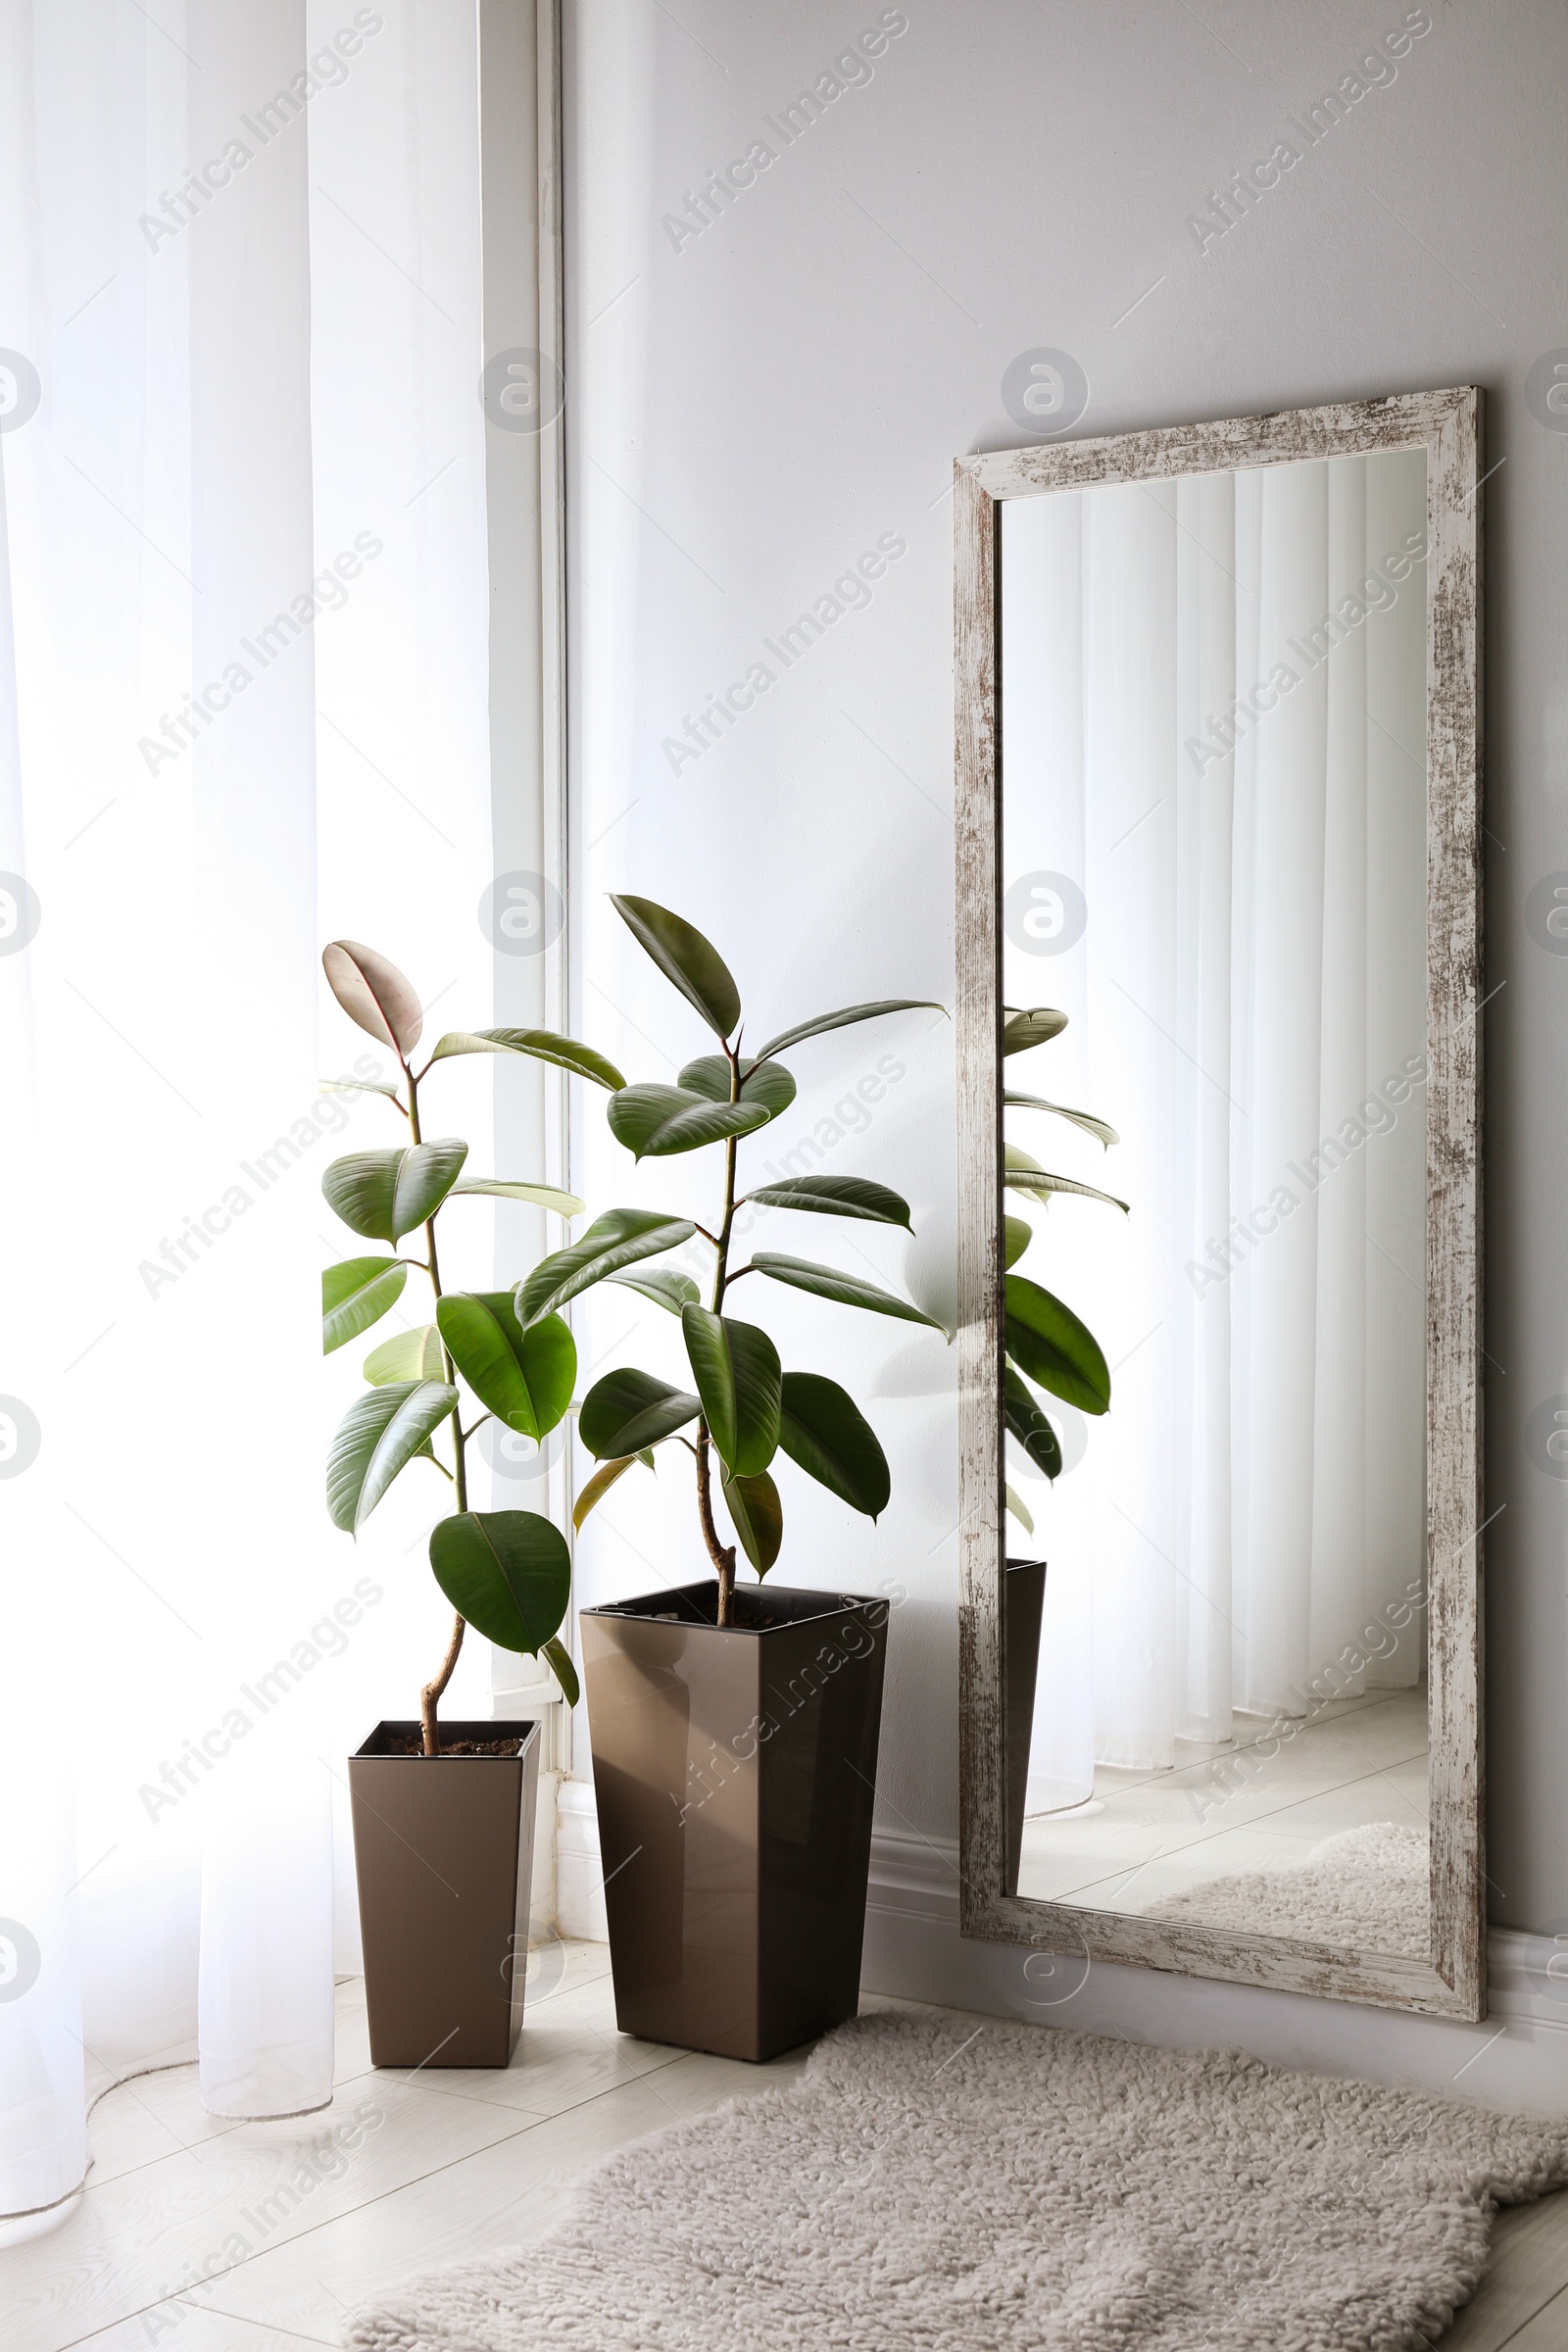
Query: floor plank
point(1547, 2331)
point(195, 2330)
point(505, 2197)
point(1529, 2267)
point(140, 2237)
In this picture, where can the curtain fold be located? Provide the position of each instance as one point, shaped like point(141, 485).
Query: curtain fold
point(1213, 728)
point(244, 679)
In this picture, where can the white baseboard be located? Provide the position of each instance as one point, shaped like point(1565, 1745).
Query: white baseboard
point(1517, 2060)
point(580, 1873)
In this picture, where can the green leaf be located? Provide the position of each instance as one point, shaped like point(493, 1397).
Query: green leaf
point(655, 1120)
point(374, 992)
point(1053, 1348)
point(561, 1667)
point(837, 1197)
point(759, 1516)
point(1040, 1180)
point(410, 1355)
point(627, 1410)
point(615, 1240)
point(685, 957)
point(356, 1294)
point(664, 1286)
point(508, 1573)
point(1098, 1128)
point(386, 1194)
point(542, 1196)
point(539, 1045)
point(825, 1434)
point(523, 1377)
point(826, 1282)
point(1017, 1233)
point(381, 1431)
point(360, 1085)
point(1021, 1411)
point(602, 1479)
point(1032, 1028)
point(766, 1082)
point(1019, 1509)
point(843, 1019)
point(737, 1372)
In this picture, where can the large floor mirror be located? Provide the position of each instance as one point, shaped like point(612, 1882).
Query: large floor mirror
point(1219, 1038)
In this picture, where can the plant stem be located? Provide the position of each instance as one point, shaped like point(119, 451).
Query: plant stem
point(722, 1555)
point(431, 1692)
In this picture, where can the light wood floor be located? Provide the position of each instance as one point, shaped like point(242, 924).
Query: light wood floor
point(1142, 1837)
point(447, 2164)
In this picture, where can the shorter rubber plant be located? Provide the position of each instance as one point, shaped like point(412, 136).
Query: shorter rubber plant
point(1045, 1341)
point(508, 1573)
point(747, 1409)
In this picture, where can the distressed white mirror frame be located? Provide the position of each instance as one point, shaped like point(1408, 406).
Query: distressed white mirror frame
point(1453, 1980)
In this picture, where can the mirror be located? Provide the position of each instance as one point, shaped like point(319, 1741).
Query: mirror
point(1219, 1376)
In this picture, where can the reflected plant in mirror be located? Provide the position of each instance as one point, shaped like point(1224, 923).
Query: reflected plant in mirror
point(746, 1408)
point(1045, 1341)
point(507, 1572)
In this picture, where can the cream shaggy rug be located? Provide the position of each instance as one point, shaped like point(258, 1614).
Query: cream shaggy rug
point(939, 2184)
point(1367, 1889)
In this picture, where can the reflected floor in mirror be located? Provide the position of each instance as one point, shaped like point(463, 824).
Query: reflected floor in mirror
point(1319, 1835)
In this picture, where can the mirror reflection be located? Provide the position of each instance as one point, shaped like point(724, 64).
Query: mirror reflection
point(1213, 755)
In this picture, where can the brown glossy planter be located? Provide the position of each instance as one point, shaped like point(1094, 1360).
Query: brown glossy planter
point(1023, 1594)
point(443, 1854)
point(734, 1773)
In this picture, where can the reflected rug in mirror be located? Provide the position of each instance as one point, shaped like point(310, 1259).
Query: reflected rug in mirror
point(943, 2183)
point(1367, 1891)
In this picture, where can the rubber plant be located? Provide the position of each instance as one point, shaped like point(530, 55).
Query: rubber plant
point(508, 1573)
point(746, 1408)
point(1045, 1341)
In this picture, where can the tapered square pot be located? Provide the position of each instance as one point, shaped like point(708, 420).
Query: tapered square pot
point(443, 1854)
point(735, 1772)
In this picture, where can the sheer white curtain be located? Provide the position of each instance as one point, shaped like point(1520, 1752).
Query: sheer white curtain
point(243, 705)
point(1213, 726)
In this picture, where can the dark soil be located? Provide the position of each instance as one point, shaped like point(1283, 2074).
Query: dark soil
point(410, 1743)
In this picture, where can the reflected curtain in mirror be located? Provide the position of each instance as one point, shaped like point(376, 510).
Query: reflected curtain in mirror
point(1213, 725)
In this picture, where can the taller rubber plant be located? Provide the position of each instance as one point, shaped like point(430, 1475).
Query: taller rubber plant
point(508, 1573)
point(746, 1409)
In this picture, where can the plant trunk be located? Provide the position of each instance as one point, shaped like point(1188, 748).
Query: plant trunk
point(722, 1555)
point(432, 1691)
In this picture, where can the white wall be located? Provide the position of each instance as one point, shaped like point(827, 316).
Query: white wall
point(750, 412)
